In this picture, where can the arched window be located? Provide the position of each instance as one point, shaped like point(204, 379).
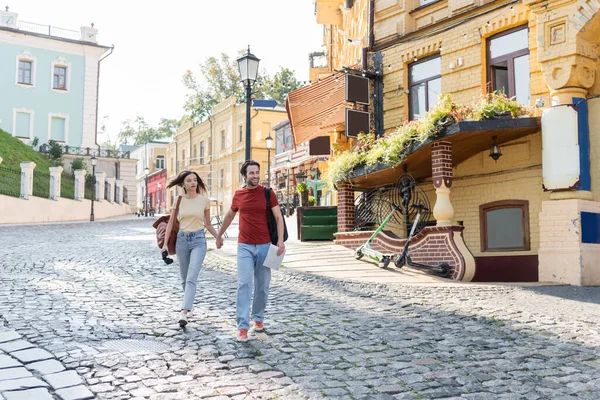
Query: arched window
point(505, 225)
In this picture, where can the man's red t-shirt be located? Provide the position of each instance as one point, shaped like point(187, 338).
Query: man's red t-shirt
point(252, 205)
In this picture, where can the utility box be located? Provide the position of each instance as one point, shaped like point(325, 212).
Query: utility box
point(317, 223)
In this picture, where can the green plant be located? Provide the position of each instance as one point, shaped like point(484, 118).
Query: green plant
point(392, 149)
point(312, 201)
point(78, 163)
point(35, 142)
point(90, 180)
point(55, 152)
point(301, 187)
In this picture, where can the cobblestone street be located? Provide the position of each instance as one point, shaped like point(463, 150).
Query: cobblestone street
point(90, 311)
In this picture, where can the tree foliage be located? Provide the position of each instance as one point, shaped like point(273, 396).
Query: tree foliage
point(137, 132)
point(220, 80)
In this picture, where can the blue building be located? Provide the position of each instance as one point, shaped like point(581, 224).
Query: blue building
point(49, 81)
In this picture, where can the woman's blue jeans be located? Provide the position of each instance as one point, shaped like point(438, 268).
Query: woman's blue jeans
point(191, 249)
point(250, 258)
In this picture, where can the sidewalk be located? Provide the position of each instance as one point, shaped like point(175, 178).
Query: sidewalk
point(326, 259)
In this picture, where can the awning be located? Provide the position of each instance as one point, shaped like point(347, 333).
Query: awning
point(467, 137)
point(316, 109)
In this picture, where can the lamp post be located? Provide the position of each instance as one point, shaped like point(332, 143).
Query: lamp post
point(159, 198)
point(288, 164)
point(146, 171)
point(269, 141)
point(248, 66)
point(94, 160)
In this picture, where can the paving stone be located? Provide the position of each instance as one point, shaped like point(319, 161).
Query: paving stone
point(21, 383)
point(46, 367)
point(63, 379)
point(79, 392)
point(30, 394)
point(8, 362)
point(8, 336)
point(14, 373)
point(31, 355)
point(15, 345)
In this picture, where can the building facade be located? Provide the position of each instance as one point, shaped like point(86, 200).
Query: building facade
point(151, 184)
point(531, 214)
point(49, 84)
point(215, 148)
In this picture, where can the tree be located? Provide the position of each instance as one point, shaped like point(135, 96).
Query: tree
point(102, 130)
point(222, 80)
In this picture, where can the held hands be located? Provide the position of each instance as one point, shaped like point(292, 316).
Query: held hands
point(219, 241)
point(280, 248)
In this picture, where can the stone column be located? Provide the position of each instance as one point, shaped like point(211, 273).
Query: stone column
point(100, 178)
point(119, 185)
point(111, 190)
point(80, 184)
point(55, 181)
point(441, 167)
point(27, 179)
point(345, 207)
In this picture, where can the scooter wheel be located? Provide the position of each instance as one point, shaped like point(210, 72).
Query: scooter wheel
point(358, 255)
point(444, 269)
point(385, 261)
point(399, 262)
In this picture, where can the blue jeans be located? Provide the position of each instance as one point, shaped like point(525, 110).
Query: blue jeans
point(191, 249)
point(250, 258)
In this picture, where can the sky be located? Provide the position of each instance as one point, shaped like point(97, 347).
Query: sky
point(156, 42)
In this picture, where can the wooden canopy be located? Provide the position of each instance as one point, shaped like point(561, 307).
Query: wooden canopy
point(467, 137)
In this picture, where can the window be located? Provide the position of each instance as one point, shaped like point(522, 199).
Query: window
point(241, 133)
point(60, 78)
point(425, 85)
point(504, 225)
point(508, 61)
point(222, 178)
point(23, 123)
point(195, 153)
point(25, 72)
point(183, 157)
point(160, 162)
point(58, 128)
point(425, 2)
point(223, 139)
point(202, 152)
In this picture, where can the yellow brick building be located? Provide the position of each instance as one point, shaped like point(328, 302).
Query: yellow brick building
point(542, 53)
point(215, 149)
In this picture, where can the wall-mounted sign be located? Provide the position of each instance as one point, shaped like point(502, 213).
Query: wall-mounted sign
point(357, 122)
point(319, 146)
point(357, 89)
point(560, 148)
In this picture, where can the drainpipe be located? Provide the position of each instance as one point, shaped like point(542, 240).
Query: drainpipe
point(97, 94)
point(371, 24)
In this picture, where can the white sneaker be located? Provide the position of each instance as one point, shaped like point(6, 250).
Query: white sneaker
point(183, 319)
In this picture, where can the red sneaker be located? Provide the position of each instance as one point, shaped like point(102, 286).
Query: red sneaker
point(259, 326)
point(242, 335)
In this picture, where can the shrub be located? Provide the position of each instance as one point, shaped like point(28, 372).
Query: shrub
point(312, 201)
point(301, 187)
point(78, 163)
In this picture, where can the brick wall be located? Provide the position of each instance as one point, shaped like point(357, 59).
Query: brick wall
point(345, 207)
point(441, 164)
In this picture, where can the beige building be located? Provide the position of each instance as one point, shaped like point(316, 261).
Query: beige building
point(532, 214)
point(215, 148)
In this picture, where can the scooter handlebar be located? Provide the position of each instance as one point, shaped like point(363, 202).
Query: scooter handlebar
point(420, 207)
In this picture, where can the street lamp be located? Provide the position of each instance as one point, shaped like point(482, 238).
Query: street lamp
point(248, 66)
point(288, 164)
point(269, 141)
point(146, 171)
point(94, 160)
point(159, 198)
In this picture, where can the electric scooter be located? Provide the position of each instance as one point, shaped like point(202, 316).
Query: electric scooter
point(403, 259)
point(382, 259)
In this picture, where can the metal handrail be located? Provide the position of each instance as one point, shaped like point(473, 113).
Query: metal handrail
point(49, 30)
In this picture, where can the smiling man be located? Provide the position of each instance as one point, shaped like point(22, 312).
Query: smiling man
point(254, 241)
